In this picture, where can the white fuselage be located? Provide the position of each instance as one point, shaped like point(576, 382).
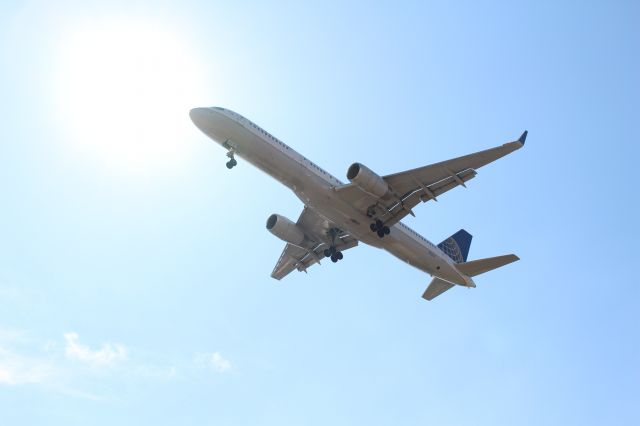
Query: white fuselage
point(316, 188)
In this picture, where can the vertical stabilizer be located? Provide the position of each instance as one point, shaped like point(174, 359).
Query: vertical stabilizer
point(457, 246)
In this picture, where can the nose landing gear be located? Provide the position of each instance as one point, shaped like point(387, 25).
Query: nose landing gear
point(380, 228)
point(232, 162)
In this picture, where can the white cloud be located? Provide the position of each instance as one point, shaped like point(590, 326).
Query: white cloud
point(214, 361)
point(71, 367)
point(108, 355)
point(219, 363)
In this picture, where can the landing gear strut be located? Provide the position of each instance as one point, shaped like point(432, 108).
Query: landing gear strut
point(232, 162)
point(380, 228)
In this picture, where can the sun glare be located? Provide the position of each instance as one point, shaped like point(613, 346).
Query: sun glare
point(124, 90)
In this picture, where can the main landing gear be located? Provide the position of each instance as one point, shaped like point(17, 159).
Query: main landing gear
point(380, 228)
point(334, 254)
point(232, 162)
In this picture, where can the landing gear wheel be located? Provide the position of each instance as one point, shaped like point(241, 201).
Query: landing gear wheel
point(232, 161)
point(331, 250)
point(380, 228)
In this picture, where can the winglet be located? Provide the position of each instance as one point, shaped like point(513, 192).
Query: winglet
point(523, 137)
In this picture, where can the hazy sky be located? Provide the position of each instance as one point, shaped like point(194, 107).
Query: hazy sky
point(134, 267)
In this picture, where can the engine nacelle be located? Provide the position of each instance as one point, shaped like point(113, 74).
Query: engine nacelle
point(367, 180)
point(286, 230)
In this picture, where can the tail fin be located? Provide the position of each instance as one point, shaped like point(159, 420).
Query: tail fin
point(480, 266)
point(457, 246)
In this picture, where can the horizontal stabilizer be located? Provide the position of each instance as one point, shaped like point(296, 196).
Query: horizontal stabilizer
point(480, 266)
point(436, 288)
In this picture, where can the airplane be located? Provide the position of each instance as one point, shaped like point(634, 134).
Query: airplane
point(368, 209)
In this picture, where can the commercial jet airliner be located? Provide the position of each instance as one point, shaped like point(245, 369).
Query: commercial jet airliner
point(338, 216)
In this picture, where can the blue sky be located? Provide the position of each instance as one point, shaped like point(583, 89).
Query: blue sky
point(134, 267)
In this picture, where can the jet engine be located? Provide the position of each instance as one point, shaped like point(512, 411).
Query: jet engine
point(286, 230)
point(367, 180)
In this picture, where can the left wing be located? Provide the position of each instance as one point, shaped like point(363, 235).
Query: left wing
point(407, 189)
point(317, 229)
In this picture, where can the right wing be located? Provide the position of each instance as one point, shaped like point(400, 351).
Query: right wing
point(316, 228)
point(409, 188)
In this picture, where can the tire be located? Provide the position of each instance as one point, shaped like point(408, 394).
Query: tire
point(339, 255)
point(334, 259)
point(373, 227)
point(380, 233)
point(386, 230)
point(327, 253)
point(229, 165)
point(233, 163)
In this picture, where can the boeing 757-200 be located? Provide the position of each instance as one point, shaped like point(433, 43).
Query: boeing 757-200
point(369, 209)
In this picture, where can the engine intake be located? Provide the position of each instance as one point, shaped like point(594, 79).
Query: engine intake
point(367, 180)
point(286, 230)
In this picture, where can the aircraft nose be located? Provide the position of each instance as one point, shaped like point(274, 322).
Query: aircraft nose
point(199, 117)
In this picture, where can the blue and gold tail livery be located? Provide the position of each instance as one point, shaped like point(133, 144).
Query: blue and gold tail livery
point(457, 246)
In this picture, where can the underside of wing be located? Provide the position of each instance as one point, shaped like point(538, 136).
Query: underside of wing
point(321, 234)
point(392, 209)
point(399, 193)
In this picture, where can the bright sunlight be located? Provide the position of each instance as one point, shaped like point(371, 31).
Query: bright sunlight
point(124, 90)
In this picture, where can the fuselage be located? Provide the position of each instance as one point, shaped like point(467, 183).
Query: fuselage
point(316, 189)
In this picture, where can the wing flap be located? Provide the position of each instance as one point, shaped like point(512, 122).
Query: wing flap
point(401, 209)
point(289, 259)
